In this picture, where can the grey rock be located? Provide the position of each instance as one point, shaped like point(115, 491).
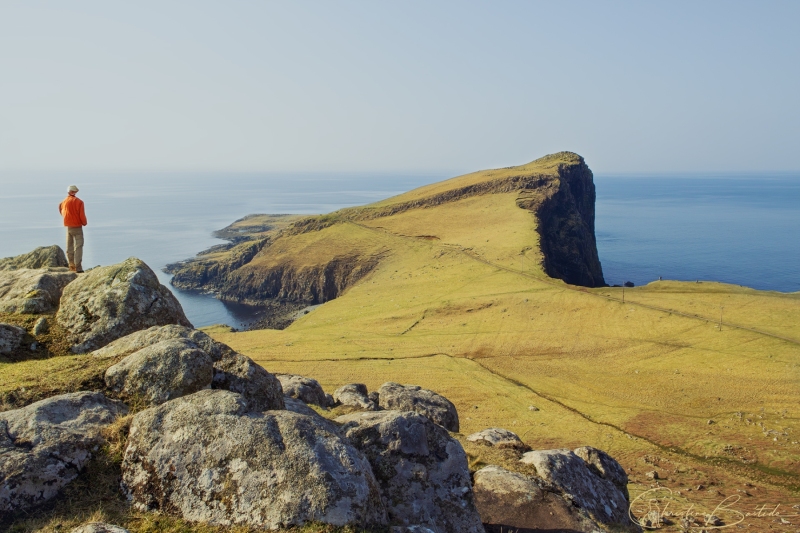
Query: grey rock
point(307, 389)
point(604, 466)
point(299, 406)
point(45, 445)
point(41, 327)
point(99, 527)
point(32, 291)
point(207, 458)
point(510, 500)
point(147, 337)
point(10, 338)
point(398, 397)
point(422, 470)
point(410, 529)
point(374, 397)
point(238, 373)
point(499, 438)
point(354, 395)
point(107, 303)
point(164, 371)
point(568, 474)
point(41, 257)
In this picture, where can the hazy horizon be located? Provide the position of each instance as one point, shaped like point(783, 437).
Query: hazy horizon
point(450, 87)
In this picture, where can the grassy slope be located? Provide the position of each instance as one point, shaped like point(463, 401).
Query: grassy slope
point(451, 309)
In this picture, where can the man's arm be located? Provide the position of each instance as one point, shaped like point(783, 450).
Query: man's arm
point(83, 215)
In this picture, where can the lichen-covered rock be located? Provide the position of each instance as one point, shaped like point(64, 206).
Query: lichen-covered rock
point(393, 396)
point(422, 470)
point(107, 303)
point(41, 257)
point(207, 458)
point(604, 466)
point(510, 501)
point(41, 327)
point(354, 395)
point(307, 389)
point(147, 337)
point(163, 371)
point(238, 373)
point(568, 474)
point(10, 338)
point(45, 445)
point(32, 291)
point(499, 438)
point(99, 527)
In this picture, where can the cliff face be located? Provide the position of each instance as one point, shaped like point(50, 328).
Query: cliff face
point(285, 282)
point(566, 227)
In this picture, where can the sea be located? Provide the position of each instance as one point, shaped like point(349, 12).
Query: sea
point(734, 228)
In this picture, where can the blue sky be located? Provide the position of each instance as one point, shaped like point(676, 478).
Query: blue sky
point(412, 86)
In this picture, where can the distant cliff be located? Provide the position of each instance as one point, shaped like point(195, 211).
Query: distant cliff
point(314, 259)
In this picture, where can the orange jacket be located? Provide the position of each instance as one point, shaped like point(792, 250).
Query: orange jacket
point(72, 211)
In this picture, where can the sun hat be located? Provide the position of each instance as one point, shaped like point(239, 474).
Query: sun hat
point(72, 188)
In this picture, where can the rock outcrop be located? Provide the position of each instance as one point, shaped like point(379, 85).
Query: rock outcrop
point(564, 472)
point(509, 501)
point(10, 338)
point(306, 389)
point(32, 291)
point(499, 438)
point(230, 370)
point(147, 337)
point(163, 371)
point(423, 401)
point(45, 445)
point(41, 257)
point(107, 303)
point(421, 469)
point(354, 395)
point(207, 458)
point(238, 373)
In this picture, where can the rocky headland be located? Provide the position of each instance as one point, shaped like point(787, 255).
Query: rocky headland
point(286, 263)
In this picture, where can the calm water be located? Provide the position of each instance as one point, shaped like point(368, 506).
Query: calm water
point(741, 230)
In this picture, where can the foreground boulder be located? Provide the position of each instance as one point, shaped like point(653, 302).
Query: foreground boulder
point(306, 389)
point(45, 445)
point(498, 438)
point(32, 291)
point(354, 395)
point(509, 501)
point(422, 470)
point(564, 472)
point(107, 303)
point(207, 458)
point(231, 371)
point(439, 409)
point(238, 373)
point(164, 371)
point(10, 338)
point(147, 337)
point(42, 257)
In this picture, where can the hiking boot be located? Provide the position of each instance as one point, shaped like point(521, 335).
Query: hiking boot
point(79, 269)
point(72, 268)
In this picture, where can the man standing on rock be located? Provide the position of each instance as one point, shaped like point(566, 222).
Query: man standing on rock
point(74, 219)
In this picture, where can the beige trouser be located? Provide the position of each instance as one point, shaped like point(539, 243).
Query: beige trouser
point(75, 247)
